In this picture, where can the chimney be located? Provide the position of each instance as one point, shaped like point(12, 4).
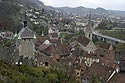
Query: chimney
point(25, 23)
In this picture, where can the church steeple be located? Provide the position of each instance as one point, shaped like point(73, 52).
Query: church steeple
point(90, 22)
point(88, 29)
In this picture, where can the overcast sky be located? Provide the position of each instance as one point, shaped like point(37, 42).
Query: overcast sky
point(107, 4)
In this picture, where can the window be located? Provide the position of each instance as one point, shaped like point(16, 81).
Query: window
point(102, 55)
point(89, 35)
point(57, 60)
point(46, 63)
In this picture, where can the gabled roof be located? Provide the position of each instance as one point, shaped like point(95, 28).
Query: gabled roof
point(26, 33)
point(83, 40)
point(54, 34)
point(52, 62)
point(104, 45)
point(42, 47)
point(80, 39)
point(47, 42)
point(78, 52)
point(63, 49)
point(69, 59)
point(41, 40)
point(101, 71)
point(117, 78)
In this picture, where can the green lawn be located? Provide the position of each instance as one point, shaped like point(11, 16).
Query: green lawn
point(114, 33)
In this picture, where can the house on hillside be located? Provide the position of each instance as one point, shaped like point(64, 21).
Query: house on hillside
point(53, 33)
point(7, 35)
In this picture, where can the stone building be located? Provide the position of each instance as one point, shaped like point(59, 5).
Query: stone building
point(26, 42)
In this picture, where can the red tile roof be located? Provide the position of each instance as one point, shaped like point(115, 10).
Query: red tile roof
point(117, 78)
point(63, 49)
point(83, 40)
point(103, 45)
point(101, 71)
point(42, 47)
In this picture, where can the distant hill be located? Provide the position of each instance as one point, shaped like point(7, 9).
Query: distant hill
point(99, 11)
point(36, 3)
point(38, 15)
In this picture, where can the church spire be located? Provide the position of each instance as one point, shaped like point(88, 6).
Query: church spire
point(88, 29)
point(90, 22)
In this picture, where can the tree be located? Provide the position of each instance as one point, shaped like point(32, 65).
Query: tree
point(95, 80)
point(121, 46)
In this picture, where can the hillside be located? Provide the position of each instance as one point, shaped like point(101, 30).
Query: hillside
point(38, 15)
point(24, 74)
point(99, 11)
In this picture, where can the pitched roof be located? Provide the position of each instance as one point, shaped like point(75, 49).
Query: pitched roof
point(117, 78)
point(83, 40)
point(54, 34)
point(26, 33)
point(101, 71)
point(103, 45)
point(62, 49)
point(51, 49)
point(83, 68)
point(42, 47)
point(48, 59)
point(69, 59)
point(78, 51)
point(55, 56)
point(41, 40)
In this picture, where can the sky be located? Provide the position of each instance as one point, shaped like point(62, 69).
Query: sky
point(107, 4)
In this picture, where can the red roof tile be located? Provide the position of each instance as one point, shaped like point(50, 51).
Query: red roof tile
point(117, 78)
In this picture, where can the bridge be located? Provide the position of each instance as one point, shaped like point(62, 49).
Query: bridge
point(107, 39)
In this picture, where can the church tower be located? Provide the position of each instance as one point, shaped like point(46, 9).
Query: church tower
point(88, 29)
point(26, 42)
